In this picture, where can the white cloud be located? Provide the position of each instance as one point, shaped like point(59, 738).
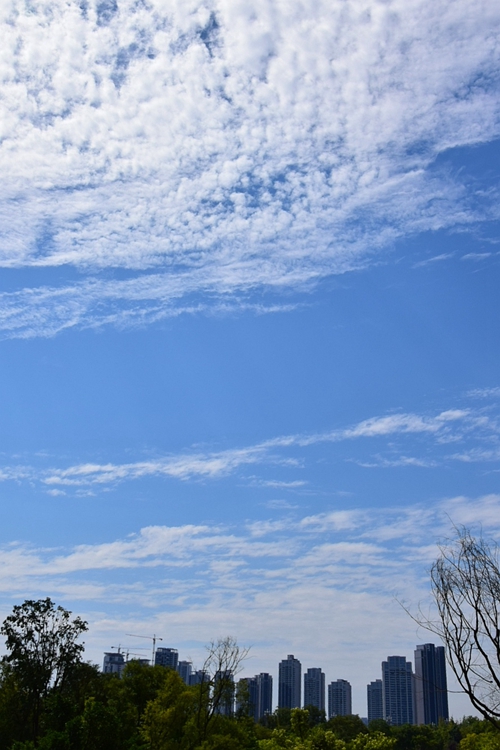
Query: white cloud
point(227, 149)
point(477, 432)
point(476, 256)
point(493, 392)
point(433, 259)
point(212, 465)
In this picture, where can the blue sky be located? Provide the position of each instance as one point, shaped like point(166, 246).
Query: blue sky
point(248, 317)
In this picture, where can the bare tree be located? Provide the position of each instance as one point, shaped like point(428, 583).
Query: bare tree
point(466, 587)
point(224, 661)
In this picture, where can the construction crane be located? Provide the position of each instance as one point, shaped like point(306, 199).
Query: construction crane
point(153, 638)
point(127, 651)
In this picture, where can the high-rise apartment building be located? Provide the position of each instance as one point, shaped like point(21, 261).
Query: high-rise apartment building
point(314, 688)
point(289, 679)
point(185, 669)
point(248, 694)
point(114, 663)
point(265, 694)
point(397, 690)
point(339, 698)
point(431, 696)
point(167, 657)
point(374, 699)
point(198, 677)
point(259, 694)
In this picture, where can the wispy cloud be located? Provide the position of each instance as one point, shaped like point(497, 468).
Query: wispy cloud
point(476, 256)
point(478, 433)
point(484, 392)
point(433, 259)
point(298, 144)
point(400, 461)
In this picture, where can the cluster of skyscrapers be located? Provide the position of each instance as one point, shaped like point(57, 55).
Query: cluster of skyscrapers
point(114, 663)
point(406, 697)
point(401, 696)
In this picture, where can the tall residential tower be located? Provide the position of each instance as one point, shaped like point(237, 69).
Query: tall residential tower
point(339, 698)
point(314, 688)
point(397, 690)
point(374, 698)
point(431, 696)
point(289, 679)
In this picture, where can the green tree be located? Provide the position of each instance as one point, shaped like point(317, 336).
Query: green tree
point(347, 727)
point(316, 715)
point(167, 723)
point(299, 722)
point(373, 741)
point(417, 737)
point(380, 725)
point(43, 648)
point(483, 741)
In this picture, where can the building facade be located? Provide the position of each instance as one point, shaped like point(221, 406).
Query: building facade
point(265, 694)
point(185, 669)
point(431, 690)
point(397, 690)
point(374, 700)
point(113, 663)
point(339, 698)
point(289, 682)
point(314, 688)
point(198, 677)
point(167, 657)
point(247, 695)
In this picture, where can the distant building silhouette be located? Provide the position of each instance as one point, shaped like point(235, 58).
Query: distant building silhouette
point(339, 698)
point(114, 663)
point(397, 690)
point(247, 695)
point(431, 696)
point(314, 688)
point(167, 657)
point(223, 688)
point(374, 700)
point(289, 680)
point(196, 678)
point(265, 681)
point(185, 668)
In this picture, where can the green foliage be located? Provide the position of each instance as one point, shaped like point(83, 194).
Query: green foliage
point(380, 725)
point(279, 719)
point(347, 727)
point(417, 737)
point(169, 720)
point(41, 641)
point(321, 739)
point(373, 741)
point(483, 741)
point(316, 715)
point(299, 722)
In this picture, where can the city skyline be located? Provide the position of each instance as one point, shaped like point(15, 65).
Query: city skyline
point(402, 695)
